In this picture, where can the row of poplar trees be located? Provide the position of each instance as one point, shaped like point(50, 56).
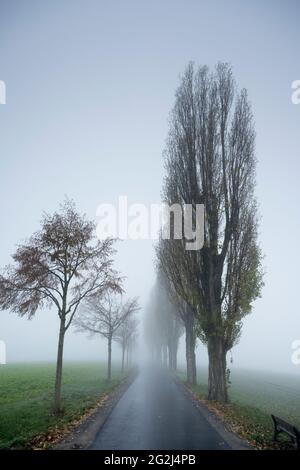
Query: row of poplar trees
point(65, 267)
point(210, 160)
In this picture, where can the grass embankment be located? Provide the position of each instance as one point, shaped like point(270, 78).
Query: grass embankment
point(26, 394)
point(253, 397)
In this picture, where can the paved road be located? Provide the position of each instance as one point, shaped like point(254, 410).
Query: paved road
point(154, 414)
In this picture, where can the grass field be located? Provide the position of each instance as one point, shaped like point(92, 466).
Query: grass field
point(26, 393)
point(254, 395)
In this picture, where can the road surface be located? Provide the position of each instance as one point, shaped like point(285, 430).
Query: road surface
point(154, 414)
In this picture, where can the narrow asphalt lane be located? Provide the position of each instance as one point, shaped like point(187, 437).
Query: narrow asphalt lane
point(154, 414)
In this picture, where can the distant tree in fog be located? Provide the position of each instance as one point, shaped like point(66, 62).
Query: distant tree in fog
point(210, 160)
point(187, 315)
point(60, 265)
point(163, 326)
point(126, 335)
point(104, 315)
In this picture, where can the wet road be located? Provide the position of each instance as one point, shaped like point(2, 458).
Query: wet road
point(154, 414)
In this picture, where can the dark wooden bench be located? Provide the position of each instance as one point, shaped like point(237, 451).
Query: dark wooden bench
point(282, 426)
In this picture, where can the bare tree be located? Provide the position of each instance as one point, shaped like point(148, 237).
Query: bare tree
point(163, 326)
point(60, 265)
point(210, 160)
point(103, 315)
point(126, 335)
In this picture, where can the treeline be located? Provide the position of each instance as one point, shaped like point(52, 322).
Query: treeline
point(210, 160)
point(163, 326)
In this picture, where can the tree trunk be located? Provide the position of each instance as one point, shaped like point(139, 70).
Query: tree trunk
point(158, 354)
point(190, 343)
point(59, 365)
point(127, 358)
point(174, 354)
point(109, 358)
point(175, 358)
point(165, 355)
point(123, 357)
point(217, 384)
point(172, 348)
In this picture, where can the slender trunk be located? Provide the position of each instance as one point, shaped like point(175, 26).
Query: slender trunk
point(127, 358)
point(123, 357)
point(109, 357)
point(190, 343)
point(130, 355)
point(170, 355)
point(217, 384)
point(174, 348)
point(59, 365)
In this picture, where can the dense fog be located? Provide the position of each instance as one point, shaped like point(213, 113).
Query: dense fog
point(89, 119)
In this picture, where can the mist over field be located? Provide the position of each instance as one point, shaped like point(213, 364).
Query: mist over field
point(87, 116)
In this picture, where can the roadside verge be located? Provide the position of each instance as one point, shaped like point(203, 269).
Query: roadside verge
point(233, 441)
point(81, 436)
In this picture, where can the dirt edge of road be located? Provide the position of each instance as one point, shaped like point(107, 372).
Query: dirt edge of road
point(231, 439)
point(83, 435)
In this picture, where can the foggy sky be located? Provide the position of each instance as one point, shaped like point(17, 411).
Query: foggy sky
point(90, 85)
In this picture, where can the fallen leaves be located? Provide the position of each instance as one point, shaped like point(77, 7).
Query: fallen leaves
point(246, 425)
point(61, 430)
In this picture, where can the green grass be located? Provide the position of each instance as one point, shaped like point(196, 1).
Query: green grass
point(254, 395)
point(26, 394)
